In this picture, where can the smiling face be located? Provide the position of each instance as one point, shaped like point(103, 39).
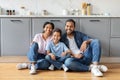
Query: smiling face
point(69, 27)
point(48, 29)
point(56, 37)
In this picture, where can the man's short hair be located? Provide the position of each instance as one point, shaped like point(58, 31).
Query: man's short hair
point(71, 20)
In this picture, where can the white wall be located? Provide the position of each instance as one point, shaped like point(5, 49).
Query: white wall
point(56, 6)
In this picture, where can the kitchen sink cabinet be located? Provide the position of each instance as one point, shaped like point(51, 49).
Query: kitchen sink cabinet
point(115, 37)
point(37, 24)
point(15, 36)
point(97, 28)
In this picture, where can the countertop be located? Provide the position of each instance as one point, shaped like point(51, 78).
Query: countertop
point(56, 16)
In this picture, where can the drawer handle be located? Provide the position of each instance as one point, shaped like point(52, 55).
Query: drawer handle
point(15, 20)
point(55, 20)
point(94, 20)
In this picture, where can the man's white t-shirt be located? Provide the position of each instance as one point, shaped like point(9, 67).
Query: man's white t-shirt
point(73, 46)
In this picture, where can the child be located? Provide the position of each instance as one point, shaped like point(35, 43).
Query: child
point(57, 51)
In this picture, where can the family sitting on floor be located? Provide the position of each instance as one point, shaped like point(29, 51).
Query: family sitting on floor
point(72, 51)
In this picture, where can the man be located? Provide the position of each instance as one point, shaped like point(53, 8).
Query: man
point(85, 51)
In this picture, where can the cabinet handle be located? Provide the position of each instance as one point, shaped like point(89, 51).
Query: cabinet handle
point(15, 20)
point(55, 20)
point(94, 20)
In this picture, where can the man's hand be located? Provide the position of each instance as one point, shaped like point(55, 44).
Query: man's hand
point(78, 56)
point(83, 46)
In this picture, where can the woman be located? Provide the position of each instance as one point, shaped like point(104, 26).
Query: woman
point(36, 54)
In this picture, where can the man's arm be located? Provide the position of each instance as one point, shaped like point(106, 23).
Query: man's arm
point(85, 44)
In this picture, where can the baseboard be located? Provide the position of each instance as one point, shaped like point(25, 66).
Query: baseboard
point(110, 60)
point(24, 59)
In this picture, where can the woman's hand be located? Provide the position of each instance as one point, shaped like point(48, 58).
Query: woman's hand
point(52, 56)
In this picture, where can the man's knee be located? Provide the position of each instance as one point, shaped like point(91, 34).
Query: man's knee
point(68, 61)
point(95, 42)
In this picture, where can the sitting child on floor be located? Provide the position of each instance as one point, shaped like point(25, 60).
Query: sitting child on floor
point(57, 52)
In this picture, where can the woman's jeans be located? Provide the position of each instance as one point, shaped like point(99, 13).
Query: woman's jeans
point(39, 59)
point(91, 54)
point(59, 60)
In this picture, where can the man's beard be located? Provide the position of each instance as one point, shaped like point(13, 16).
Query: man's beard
point(69, 32)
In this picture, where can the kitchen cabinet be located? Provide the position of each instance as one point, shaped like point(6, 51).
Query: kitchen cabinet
point(115, 37)
point(115, 47)
point(15, 36)
point(17, 33)
point(37, 24)
point(115, 27)
point(97, 28)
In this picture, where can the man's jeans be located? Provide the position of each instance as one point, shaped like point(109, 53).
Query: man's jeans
point(39, 59)
point(59, 60)
point(91, 54)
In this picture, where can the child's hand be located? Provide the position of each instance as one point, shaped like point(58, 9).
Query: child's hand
point(66, 52)
point(52, 56)
point(63, 54)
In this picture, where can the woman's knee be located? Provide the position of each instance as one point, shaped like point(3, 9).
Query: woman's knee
point(34, 46)
point(32, 53)
point(43, 64)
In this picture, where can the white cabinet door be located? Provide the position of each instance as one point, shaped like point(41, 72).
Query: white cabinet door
point(115, 47)
point(115, 37)
point(15, 36)
point(97, 28)
point(115, 27)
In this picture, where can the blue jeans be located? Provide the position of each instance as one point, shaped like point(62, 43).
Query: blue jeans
point(59, 60)
point(91, 54)
point(39, 59)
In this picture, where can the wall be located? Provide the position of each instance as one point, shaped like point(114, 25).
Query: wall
point(56, 6)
